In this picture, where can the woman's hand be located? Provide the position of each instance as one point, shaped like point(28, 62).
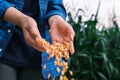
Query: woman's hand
point(28, 25)
point(31, 34)
point(61, 31)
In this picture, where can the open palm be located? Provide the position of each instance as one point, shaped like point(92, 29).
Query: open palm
point(61, 31)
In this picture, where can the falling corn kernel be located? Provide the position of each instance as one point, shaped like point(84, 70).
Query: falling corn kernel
point(62, 73)
point(44, 66)
point(58, 69)
point(48, 76)
point(60, 50)
point(71, 73)
point(61, 77)
point(72, 79)
point(65, 78)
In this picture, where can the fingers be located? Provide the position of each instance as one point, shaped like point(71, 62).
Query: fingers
point(32, 37)
point(31, 34)
point(70, 32)
point(71, 50)
point(66, 55)
point(34, 32)
point(40, 46)
point(29, 39)
point(71, 35)
point(72, 47)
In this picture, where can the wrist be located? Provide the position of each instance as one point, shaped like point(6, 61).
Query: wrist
point(54, 20)
point(23, 20)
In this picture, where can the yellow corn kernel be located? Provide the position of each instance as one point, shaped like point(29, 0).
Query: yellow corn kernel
point(58, 69)
point(61, 77)
point(72, 79)
point(71, 73)
point(65, 78)
point(48, 76)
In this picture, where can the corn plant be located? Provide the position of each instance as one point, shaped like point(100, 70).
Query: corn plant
point(97, 53)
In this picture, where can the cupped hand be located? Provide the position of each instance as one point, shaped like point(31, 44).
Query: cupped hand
point(31, 34)
point(61, 31)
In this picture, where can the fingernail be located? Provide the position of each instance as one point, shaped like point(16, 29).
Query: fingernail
point(71, 38)
point(72, 51)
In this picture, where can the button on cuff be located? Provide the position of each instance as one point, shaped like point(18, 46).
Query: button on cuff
point(9, 30)
point(0, 50)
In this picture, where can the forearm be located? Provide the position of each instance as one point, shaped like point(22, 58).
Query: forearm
point(14, 16)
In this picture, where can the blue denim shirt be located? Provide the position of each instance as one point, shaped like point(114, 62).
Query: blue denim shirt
point(47, 9)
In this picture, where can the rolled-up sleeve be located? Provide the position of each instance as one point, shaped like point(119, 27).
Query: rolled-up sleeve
point(55, 7)
point(4, 5)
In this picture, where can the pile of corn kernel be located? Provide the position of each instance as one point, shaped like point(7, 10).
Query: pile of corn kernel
point(58, 51)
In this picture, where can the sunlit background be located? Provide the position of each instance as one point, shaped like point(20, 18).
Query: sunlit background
point(109, 10)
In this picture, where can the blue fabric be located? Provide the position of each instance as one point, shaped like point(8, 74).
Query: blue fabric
point(47, 8)
point(23, 55)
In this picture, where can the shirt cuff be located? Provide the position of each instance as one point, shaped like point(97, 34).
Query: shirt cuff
point(3, 7)
point(63, 15)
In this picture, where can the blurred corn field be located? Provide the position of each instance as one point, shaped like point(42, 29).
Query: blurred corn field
point(97, 53)
point(109, 11)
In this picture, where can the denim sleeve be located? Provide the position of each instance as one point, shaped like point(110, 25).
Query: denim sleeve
point(4, 5)
point(55, 7)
